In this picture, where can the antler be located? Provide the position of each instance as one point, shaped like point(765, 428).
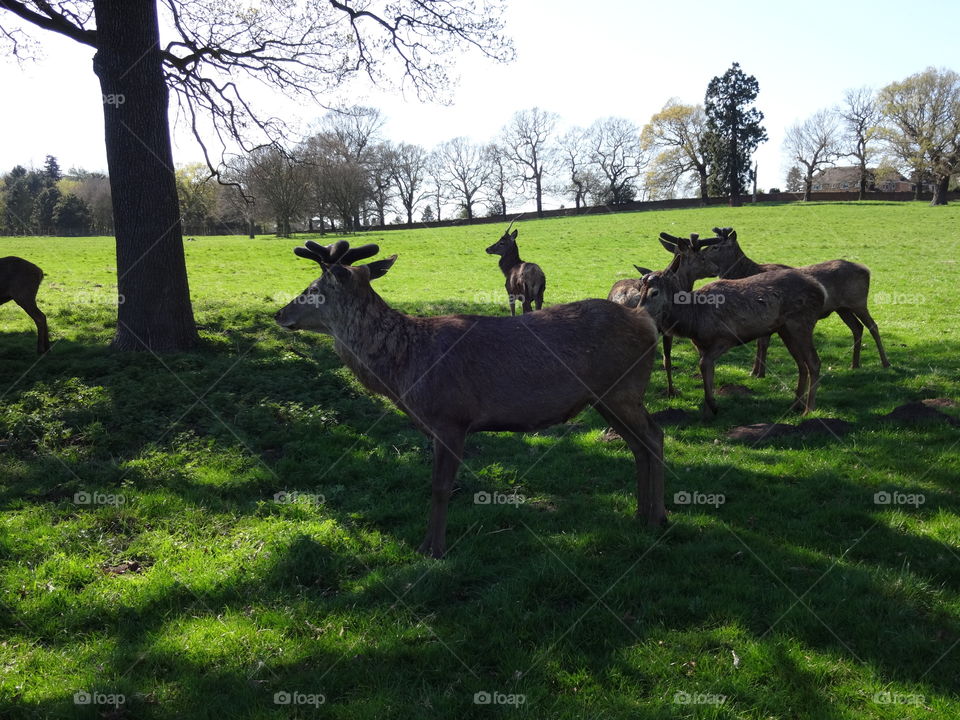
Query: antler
point(511, 223)
point(339, 253)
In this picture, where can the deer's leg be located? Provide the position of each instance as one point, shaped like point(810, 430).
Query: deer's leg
point(645, 440)
point(447, 453)
point(513, 305)
point(707, 362)
point(667, 365)
point(864, 316)
point(856, 327)
point(799, 342)
point(760, 360)
point(29, 306)
point(540, 299)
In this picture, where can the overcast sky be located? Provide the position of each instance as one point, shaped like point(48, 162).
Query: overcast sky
point(582, 60)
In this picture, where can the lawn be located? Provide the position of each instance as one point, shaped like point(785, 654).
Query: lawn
point(231, 533)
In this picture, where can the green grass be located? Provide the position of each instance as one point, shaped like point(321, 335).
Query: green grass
point(199, 596)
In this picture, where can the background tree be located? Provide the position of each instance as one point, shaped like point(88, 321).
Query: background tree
point(71, 216)
point(794, 180)
point(498, 182)
point(922, 116)
point(41, 218)
point(814, 144)
point(196, 194)
point(303, 49)
point(616, 152)
point(861, 116)
point(573, 151)
point(409, 173)
point(51, 169)
point(380, 179)
point(280, 183)
point(677, 137)
point(733, 131)
point(527, 141)
point(465, 171)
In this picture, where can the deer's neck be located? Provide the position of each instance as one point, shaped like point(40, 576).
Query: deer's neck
point(741, 268)
point(377, 343)
point(509, 260)
point(686, 320)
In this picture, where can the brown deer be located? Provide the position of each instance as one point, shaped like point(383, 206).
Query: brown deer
point(525, 280)
point(847, 285)
point(688, 265)
point(458, 374)
point(19, 281)
point(727, 313)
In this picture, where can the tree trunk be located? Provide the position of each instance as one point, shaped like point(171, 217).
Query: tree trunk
point(539, 195)
point(252, 229)
point(940, 190)
point(807, 187)
point(704, 185)
point(155, 313)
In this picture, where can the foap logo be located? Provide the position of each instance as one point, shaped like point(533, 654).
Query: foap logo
point(894, 698)
point(685, 497)
point(82, 697)
point(684, 698)
point(698, 298)
point(86, 497)
point(496, 498)
point(498, 698)
point(286, 497)
point(113, 99)
point(886, 298)
point(295, 697)
point(898, 498)
point(93, 297)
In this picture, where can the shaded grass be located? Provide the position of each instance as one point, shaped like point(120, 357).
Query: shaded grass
point(797, 596)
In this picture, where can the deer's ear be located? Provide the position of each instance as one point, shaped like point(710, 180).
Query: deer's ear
point(513, 235)
point(641, 270)
point(732, 235)
point(379, 268)
point(669, 242)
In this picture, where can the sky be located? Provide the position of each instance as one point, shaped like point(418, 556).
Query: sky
point(583, 61)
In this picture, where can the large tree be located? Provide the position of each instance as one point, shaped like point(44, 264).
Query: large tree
point(527, 139)
point(922, 116)
point(861, 115)
point(617, 154)
point(677, 135)
point(465, 171)
point(733, 131)
point(302, 48)
point(813, 143)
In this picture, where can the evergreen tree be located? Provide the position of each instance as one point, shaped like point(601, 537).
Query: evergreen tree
point(71, 216)
point(43, 208)
point(51, 170)
point(733, 131)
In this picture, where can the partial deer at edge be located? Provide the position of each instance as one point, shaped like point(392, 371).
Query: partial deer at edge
point(19, 281)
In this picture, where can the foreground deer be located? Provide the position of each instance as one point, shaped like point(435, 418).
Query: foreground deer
point(727, 313)
point(847, 285)
point(19, 281)
point(688, 265)
point(459, 374)
point(525, 280)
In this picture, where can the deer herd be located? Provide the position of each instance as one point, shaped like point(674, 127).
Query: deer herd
point(458, 374)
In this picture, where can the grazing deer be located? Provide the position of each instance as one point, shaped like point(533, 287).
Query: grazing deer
point(727, 313)
point(19, 281)
point(847, 285)
point(525, 280)
point(687, 265)
point(459, 374)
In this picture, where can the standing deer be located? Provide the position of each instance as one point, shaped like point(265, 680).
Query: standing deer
point(525, 280)
point(458, 374)
point(727, 313)
point(847, 285)
point(19, 281)
point(688, 265)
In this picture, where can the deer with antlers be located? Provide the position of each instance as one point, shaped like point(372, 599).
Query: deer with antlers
point(525, 280)
point(727, 313)
point(459, 374)
point(847, 285)
point(20, 281)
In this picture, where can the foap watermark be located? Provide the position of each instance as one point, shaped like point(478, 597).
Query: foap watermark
point(685, 497)
point(886, 697)
point(312, 299)
point(295, 697)
point(87, 497)
point(685, 698)
point(490, 298)
point(82, 697)
point(114, 99)
point(498, 698)
point(287, 497)
point(898, 298)
point(96, 297)
point(898, 498)
point(698, 298)
point(496, 498)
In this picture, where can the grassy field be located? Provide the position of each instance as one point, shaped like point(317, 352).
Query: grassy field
point(230, 533)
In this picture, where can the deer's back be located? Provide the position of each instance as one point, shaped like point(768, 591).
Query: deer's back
point(18, 277)
point(847, 283)
point(526, 278)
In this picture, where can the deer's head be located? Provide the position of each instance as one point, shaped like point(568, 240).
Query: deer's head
point(338, 291)
point(506, 244)
point(690, 261)
point(726, 253)
point(656, 293)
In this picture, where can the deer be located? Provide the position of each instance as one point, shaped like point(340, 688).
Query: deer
point(525, 280)
point(453, 375)
point(847, 285)
point(693, 266)
point(727, 313)
point(20, 281)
